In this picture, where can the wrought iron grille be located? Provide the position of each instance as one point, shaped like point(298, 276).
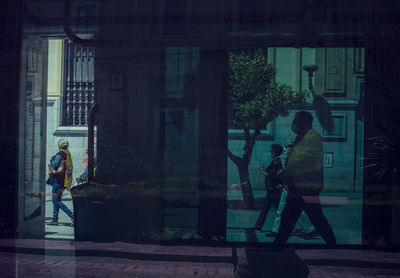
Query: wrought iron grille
point(79, 83)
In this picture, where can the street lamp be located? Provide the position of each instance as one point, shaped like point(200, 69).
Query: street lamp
point(310, 69)
point(320, 105)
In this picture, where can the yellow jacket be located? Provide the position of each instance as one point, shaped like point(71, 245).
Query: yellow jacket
point(304, 165)
point(68, 169)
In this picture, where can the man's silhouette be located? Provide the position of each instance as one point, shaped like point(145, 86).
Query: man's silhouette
point(304, 180)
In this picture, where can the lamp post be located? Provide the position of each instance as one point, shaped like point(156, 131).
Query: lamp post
point(310, 69)
point(320, 105)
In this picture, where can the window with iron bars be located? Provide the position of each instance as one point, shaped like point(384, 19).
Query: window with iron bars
point(79, 90)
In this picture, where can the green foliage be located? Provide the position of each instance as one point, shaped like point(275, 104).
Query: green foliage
point(255, 96)
point(385, 157)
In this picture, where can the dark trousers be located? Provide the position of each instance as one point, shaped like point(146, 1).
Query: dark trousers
point(294, 205)
point(272, 199)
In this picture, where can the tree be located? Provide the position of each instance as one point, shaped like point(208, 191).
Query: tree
point(256, 100)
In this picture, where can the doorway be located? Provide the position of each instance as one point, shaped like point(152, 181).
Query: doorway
point(57, 91)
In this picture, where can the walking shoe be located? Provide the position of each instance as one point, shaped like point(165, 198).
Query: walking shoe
point(271, 234)
point(311, 235)
point(53, 223)
point(298, 232)
point(72, 222)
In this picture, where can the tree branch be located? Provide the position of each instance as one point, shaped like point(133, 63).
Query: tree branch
point(255, 134)
point(246, 134)
point(236, 159)
point(250, 141)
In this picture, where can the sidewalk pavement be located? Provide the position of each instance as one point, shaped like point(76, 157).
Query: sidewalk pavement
point(63, 258)
point(63, 230)
point(344, 216)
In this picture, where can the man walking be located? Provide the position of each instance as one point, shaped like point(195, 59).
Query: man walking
point(304, 180)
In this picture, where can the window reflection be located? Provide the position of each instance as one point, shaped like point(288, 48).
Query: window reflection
point(338, 81)
point(181, 143)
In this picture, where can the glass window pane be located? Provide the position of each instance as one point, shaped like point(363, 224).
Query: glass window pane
point(319, 161)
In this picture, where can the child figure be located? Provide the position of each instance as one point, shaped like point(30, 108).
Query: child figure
point(273, 184)
point(306, 228)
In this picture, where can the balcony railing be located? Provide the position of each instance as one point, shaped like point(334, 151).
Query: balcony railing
point(78, 98)
point(79, 90)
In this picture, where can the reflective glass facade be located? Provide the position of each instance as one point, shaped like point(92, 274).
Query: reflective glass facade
point(190, 98)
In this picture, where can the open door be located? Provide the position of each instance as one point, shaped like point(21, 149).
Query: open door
point(32, 138)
